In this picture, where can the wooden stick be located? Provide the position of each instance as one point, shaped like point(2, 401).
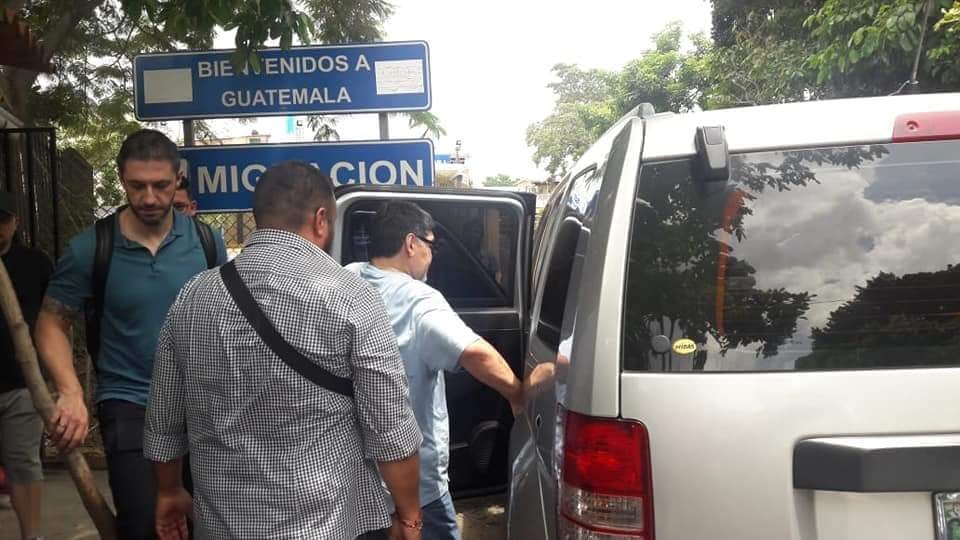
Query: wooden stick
point(93, 500)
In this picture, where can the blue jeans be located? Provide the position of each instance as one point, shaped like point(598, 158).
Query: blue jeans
point(440, 520)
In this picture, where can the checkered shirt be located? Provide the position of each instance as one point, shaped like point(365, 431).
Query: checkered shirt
point(273, 455)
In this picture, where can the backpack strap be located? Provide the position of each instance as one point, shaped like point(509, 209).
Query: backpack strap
point(104, 230)
point(265, 329)
point(206, 241)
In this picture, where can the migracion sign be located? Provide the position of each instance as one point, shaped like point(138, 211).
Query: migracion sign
point(223, 178)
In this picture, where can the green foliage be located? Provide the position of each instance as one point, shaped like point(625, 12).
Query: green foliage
point(760, 54)
point(867, 48)
point(589, 101)
point(428, 121)
point(500, 180)
point(324, 127)
point(668, 77)
point(771, 51)
point(732, 17)
point(93, 42)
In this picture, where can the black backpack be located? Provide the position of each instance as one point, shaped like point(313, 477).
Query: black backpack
point(104, 230)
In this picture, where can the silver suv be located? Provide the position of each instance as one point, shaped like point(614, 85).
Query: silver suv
point(746, 325)
point(739, 324)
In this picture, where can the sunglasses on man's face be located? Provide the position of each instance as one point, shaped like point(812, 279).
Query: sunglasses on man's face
point(432, 244)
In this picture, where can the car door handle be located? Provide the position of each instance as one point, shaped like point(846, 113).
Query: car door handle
point(878, 464)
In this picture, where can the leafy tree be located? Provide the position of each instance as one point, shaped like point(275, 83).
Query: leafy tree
point(891, 318)
point(92, 44)
point(428, 121)
point(870, 48)
point(761, 48)
point(324, 127)
point(590, 101)
point(732, 17)
point(500, 180)
point(772, 51)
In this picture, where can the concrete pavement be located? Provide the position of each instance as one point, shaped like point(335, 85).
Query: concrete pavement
point(64, 517)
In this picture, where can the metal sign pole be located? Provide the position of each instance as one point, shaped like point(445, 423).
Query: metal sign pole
point(188, 132)
point(384, 127)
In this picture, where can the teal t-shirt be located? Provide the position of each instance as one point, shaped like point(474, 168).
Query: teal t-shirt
point(140, 289)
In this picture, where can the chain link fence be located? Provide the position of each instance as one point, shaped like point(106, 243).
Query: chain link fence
point(236, 227)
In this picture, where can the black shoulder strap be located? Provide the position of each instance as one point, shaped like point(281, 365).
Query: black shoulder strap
point(103, 251)
point(206, 241)
point(290, 356)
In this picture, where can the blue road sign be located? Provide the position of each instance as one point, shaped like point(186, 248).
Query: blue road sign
point(222, 178)
point(330, 79)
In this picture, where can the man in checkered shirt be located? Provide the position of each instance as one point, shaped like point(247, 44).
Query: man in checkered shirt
point(273, 454)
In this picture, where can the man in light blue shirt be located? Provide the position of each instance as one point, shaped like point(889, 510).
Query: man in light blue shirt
point(432, 339)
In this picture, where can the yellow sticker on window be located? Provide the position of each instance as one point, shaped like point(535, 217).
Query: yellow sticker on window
point(684, 346)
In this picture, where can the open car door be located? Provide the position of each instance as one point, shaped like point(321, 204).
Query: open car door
point(481, 266)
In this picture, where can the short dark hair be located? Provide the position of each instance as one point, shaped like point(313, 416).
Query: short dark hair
point(391, 225)
point(288, 192)
point(148, 145)
point(185, 186)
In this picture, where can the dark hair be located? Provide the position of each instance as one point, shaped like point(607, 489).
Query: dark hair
point(184, 185)
point(287, 193)
point(391, 225)
point(148, 145)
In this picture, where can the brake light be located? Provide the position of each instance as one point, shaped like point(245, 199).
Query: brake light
point(930, 126)
point(606, 490)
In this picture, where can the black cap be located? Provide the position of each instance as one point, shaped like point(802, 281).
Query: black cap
point(8, 203)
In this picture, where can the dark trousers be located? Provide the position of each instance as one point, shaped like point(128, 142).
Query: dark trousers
point(131, 475)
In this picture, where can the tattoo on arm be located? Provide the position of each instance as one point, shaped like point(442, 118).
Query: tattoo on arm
point(57, 308)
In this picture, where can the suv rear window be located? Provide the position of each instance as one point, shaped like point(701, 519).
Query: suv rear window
point(825, 258)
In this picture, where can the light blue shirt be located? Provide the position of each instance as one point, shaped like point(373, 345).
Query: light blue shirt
point(431, 338)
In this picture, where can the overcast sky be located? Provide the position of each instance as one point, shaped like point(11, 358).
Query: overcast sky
point(490, 65)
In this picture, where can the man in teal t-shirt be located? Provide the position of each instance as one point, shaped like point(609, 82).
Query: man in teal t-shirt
point(155, 251)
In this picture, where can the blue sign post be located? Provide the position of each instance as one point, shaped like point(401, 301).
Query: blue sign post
point(222, 178)
point(334, 79)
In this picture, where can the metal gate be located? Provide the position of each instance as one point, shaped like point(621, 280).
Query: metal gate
point(30, 169)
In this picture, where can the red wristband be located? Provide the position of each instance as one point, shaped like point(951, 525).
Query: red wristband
point(416, 524)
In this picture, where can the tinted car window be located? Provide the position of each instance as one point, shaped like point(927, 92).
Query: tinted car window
point(827, 258)
point(578, 210)
point(475, 262)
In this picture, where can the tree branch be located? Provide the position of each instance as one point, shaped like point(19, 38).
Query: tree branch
point(92, 499)
point(54, 37)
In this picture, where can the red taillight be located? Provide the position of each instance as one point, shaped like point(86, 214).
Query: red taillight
point(606, 488)
point(930, 126)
